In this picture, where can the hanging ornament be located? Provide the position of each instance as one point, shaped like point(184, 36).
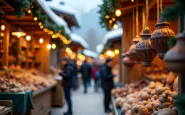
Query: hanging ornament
point(161, 35)
point(128, 61)
point(144, 48)
point(175, 57)
point(136, 39)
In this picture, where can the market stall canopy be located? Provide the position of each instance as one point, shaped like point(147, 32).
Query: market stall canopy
point(113, 36)
point(89, 53)
point(79, 40)
point(99, 48)
point(54, 17)
point(64, 11)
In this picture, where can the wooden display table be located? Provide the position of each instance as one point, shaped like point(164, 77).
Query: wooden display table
point(42, 101)
point(116, 110)
point(8, 107)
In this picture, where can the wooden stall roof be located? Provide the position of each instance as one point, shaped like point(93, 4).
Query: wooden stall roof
point(26, 22)
point(127, 6)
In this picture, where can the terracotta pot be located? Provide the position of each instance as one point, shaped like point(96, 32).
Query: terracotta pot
point(144, 49)
point(175, 57)
point(160, 37)
point(133, 52)
point(128, 61)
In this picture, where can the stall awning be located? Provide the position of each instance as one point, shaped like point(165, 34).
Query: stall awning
point(77, 39)
point(113, 36)
point(99, 48)
point(89, 53)
point(66, 12)
point(54, 17)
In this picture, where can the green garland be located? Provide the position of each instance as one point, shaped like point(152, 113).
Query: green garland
point(20, 5)
point(108, 8)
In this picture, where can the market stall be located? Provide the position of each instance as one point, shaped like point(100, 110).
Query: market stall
point(26, 31)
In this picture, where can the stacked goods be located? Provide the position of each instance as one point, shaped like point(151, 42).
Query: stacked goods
point(154, 99)
point(27, 79)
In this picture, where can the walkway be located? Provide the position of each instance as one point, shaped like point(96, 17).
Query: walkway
point(84, 104)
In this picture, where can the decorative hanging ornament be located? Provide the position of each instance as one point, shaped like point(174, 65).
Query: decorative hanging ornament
point(133, 52)
point(175, 57)
point(160, 37)
point(127, 60)
point(144, 49)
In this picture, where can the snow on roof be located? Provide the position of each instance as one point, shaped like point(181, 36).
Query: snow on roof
point(89, 53)
point(55, 5)
point(99, 48)
point(54, 17)
point(78, 39)
point(112, 34)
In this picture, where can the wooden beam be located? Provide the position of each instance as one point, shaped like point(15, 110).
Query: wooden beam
point(23, 23)
point(13, 17)
point(36, 33)
point(3, 1)
point(130, 7)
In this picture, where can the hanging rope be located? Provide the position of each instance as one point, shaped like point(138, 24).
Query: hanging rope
point(147, 11)
point(133, 22)
point(161, 5)
point(158, 10)
point(137, 18)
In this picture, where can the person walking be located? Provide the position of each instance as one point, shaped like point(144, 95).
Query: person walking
point(96, 77)
point(85, 70)
point(75, 68)
point(67, 82)
point(107, 82)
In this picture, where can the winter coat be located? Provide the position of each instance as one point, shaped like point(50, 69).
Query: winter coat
point(67, 76)
point(106, 77)
point(85, 70)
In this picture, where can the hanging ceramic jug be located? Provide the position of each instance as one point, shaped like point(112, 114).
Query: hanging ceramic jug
point(128, 61)
point(144, 49)
point(175, 57)
point(133, 52)
point(160, 37)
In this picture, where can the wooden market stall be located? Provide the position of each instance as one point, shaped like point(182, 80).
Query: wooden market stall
point(26, 46)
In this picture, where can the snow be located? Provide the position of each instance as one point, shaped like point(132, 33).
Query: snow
point(89, 53)
point(112, 34)
point(78, 39)
point(55, 5)
point(99, 48)
point(55, 18)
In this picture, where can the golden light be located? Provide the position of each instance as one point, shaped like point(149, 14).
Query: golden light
point(81, 57)
point(110, 21)
point(53, 36)
point(53, 46)
point(79, 63)
point(3, 27)
point(28, 37)
point(101, 56)
point(49, 46)
point(50, 32)
point(112, 55)
point(70, 52)
point(115, 26)
point(68, 49)
point(132, 0)
point(35, 18)
point(41, 27)
point(40, 23)
point(116, 51)
point(113, 19)
point(29, 11)
point(118, 12)
point(108, 53)
point(19, 33)
point(41, 40)
point(45, 30)
point(107, 16)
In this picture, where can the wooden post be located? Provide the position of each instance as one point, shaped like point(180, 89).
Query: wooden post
point(6, 39)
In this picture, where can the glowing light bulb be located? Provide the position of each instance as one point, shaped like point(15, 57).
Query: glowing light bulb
point(115, 26)
point(28, 38)
point(53, 46)
point(40, 23)
point(18, 34)
point(132, 0)
point(116, 51)
point(35, 18)
point(3, 27)
point(49, 46)
point(110, 21)
point(107, 16)
point(113, 19)
point(41, 40)
point(118, 13)
point(29, 11)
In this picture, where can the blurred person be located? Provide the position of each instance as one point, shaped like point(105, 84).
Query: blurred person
point(67, 76)
point(85, 70)
point(107, 82)
point(96, 77)
point(75, 68)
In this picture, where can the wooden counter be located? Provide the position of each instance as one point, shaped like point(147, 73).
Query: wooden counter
point(42, 101)
point(116, 110)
